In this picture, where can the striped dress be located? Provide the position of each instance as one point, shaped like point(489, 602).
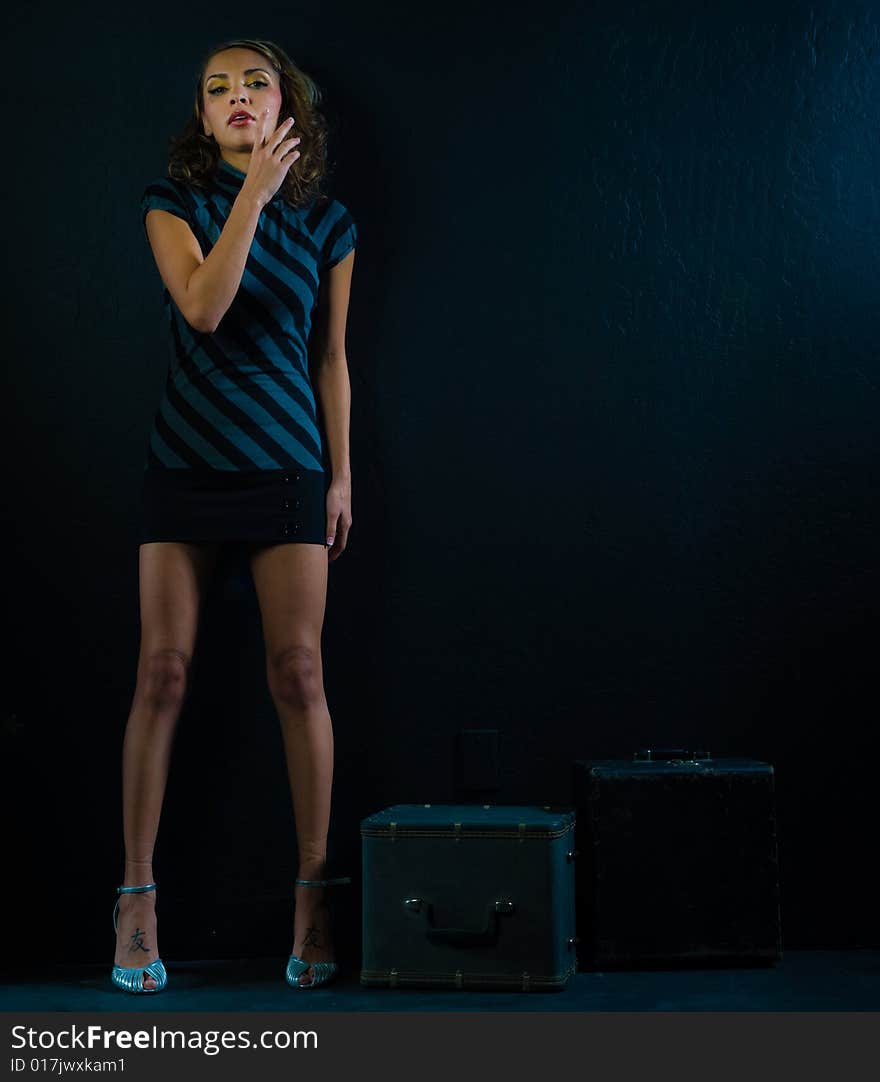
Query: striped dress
point(241, 399)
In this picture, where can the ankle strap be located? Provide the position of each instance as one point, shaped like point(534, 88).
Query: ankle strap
point(323, 882)
point(135, 890)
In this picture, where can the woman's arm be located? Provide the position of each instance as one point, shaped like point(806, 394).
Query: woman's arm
point(203, 289)
point(331, 376)
point(334, 389)
point(214, 283)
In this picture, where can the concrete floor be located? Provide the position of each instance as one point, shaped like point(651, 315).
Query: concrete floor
point(801, 981)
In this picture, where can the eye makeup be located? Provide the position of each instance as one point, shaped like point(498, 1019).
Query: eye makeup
point(220, 86)
point(225, 74)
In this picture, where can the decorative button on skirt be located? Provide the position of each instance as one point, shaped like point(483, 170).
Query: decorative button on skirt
point(268, 506)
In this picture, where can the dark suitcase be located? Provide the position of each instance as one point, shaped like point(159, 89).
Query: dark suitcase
point(468, 896)
point(677, 860)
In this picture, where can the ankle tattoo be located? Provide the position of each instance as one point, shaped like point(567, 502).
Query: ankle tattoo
point(312, 938)
point(137, 941)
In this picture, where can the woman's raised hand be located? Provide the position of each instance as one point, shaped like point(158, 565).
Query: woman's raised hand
point(270, 158)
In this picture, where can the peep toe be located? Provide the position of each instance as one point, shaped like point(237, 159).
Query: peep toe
point(132, 979)
point(322, 972)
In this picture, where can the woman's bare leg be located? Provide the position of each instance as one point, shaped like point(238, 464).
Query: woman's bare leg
point(173, 576)
point(291, 585)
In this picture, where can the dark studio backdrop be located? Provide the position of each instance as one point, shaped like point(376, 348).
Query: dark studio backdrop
point(612, 342)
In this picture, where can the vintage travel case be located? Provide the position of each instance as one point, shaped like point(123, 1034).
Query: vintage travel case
point(468, 896)
point(677, 860)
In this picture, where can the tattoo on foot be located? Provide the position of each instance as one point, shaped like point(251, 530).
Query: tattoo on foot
point(312, 938)
point(137, 941)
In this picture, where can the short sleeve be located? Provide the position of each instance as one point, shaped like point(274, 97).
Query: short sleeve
point(341, 237)
point(163, 194)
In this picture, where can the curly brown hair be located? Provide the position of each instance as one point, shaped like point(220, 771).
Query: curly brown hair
point(194, 156)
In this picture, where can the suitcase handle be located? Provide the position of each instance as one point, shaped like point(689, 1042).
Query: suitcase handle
point(665, 754)
point(462, 937)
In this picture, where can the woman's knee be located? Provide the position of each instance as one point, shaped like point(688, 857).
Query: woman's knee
point(295, 675)
point(163, 676)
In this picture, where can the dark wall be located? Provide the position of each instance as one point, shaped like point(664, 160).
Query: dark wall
point(612, 344)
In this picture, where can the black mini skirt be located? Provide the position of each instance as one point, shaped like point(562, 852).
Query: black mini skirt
point(266, 506)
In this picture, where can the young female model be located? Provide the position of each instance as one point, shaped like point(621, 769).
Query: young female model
point(253, 256)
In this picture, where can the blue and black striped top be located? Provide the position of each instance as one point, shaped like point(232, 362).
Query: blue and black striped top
point(241, 398)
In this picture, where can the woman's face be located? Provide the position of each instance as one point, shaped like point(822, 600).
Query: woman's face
point(237, 79)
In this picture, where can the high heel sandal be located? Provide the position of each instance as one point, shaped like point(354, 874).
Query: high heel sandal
point(322, 972)
point(132, 979)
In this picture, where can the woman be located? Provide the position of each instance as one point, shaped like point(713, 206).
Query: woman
point(252, 256)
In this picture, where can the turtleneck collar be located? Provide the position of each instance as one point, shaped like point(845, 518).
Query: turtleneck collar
point(231, 179)
point(232, 171)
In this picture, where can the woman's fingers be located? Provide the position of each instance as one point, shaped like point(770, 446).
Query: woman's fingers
point(281, 131)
